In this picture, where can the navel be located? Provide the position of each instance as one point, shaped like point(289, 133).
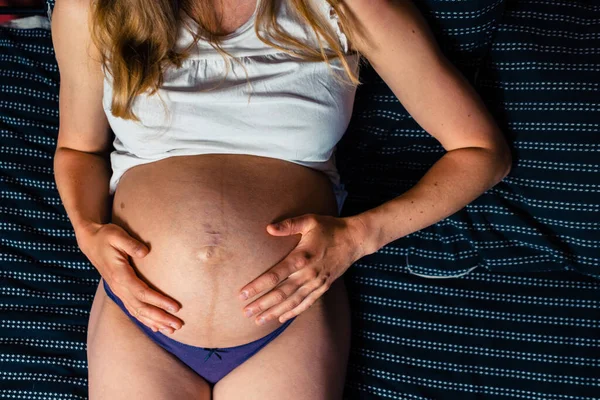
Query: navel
point(211, 254)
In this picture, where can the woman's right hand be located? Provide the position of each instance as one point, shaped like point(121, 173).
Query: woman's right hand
point(108, 246)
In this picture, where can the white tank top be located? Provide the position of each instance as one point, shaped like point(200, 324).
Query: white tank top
point(296, 111)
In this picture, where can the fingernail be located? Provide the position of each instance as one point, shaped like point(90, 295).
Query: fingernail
point(248, 313)
point(174, 325)
point(164, 331)
point(172, 309)
point(244, 295)
point(261, 321)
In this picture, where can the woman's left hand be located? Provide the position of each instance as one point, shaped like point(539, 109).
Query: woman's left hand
point(328, 247)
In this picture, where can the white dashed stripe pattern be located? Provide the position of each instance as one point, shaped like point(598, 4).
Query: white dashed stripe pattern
point(516, 316)
point(499, 330)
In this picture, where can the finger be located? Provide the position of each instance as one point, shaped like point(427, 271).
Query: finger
point(291, 303)
point(292, 226)
point(160, 317)
point(275, 296)
point(136, 313)
point(143, 300)
point(167, 330)
point(149, 323)
point(154, 316)
point(144, 293)
point(305, 304)
point(129, 245)
point(279, 294)
point(295, 261)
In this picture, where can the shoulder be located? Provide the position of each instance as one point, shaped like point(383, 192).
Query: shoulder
point(71, 21)
point(371, 22)
point(71, 14)
point(74, 8)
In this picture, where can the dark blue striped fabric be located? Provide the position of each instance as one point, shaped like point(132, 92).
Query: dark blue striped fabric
point(539, 78)
point(46, 283)
point(486, 335)
point(542, 81)
point(507, 334)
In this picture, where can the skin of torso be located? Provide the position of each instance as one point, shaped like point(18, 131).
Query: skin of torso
point(204, 219)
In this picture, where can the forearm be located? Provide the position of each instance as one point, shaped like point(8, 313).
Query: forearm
point(455, 180)
point(82, 181)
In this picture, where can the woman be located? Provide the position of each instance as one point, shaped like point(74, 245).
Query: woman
point(210, 154)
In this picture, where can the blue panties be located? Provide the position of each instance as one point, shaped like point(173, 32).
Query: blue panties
point(210, 363)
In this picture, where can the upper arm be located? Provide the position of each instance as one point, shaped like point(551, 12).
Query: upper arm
point(83, 125)
point(401, 48)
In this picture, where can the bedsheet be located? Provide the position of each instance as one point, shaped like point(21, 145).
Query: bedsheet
point(537, 73)
point(498, 332)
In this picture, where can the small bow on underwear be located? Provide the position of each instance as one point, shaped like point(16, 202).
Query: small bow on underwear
point(215, 351)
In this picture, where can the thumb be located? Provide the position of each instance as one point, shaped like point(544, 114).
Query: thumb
point(288, 227)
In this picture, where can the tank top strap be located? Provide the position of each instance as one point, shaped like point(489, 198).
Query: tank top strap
point(332, 17)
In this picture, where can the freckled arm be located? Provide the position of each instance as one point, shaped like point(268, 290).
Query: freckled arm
point(400, 46)
point(455, 180)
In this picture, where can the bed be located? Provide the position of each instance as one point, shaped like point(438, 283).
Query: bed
point(499, 301)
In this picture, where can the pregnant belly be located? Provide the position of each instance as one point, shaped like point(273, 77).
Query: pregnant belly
point(204, 220)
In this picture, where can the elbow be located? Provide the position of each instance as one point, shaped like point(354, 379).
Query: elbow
point(508, 166)
point(498, 161)
point(504, 162)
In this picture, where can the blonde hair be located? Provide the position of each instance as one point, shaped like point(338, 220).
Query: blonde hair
point(137, 39)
